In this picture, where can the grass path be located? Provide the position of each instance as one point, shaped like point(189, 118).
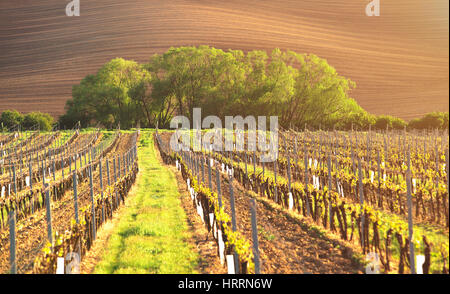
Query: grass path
point(151, 233)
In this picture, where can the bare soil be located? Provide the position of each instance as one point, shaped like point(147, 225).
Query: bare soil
point(287, 245)
point(399, 60)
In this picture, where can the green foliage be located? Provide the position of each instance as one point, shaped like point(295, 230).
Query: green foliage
point(32, 120)
point(151, 235)
point(110, 97)
point(383, 122)
point(301, 89)
point(433, 120)
point(11, 118)
point(43, 121)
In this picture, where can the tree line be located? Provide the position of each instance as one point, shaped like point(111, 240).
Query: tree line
point(301, 89)
point(35, 120)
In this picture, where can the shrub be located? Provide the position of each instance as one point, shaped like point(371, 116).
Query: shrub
point(43, 121)
point(11, 118)
point(433, 120)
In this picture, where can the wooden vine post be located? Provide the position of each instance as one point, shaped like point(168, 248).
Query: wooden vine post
point(255, 237)
point(91, 185)
point(361, 202)
point(330, 188)
point(101, 189)
point(233, 224)
point(308, 212)
point(12, 234)
point(49, 214)
point(75, 196)
point(410, 220)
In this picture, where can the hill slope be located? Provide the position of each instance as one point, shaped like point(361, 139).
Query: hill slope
point(398, 60)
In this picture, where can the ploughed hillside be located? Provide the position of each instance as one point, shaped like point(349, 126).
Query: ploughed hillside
point(398, 60)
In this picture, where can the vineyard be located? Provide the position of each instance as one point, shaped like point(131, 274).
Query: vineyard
point(58, 188)
point(330, 202)
point(375, 191)
point(218, 145)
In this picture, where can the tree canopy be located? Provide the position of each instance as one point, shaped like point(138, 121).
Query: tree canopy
point(298, 88)
point(433, 120)
point(30, 121)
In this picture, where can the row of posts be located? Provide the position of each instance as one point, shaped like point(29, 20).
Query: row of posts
point(88, 154)
point(197, 165)
point(359, 190)
point(127, 161)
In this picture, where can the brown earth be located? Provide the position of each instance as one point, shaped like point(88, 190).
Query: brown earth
point(201, 240)
point(288, 244)
point(398, 60)
point(205, 245)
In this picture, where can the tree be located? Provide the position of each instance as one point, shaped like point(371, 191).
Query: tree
point(298, 88)
point(104, 98)
point(433, 120)
point(383, 122)
point(11, 118)
point(306, 89)
point(398, 123)
point(43, 121)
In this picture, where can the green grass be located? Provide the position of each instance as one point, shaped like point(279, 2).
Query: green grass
point(266, 235)
point(437, 237)
point(151, 235)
